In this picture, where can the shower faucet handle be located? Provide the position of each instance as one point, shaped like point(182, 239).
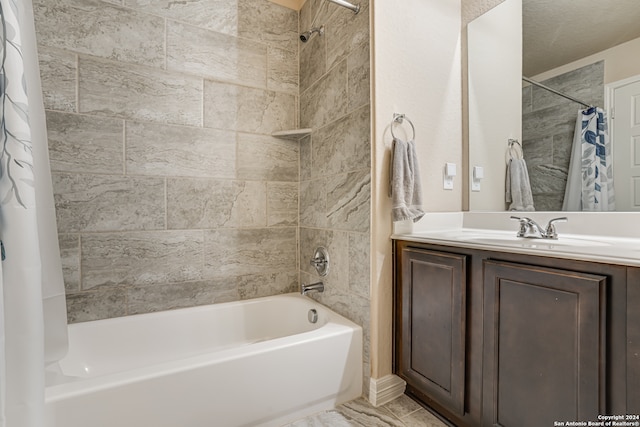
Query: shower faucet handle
point(317, 262)
point(320, 261)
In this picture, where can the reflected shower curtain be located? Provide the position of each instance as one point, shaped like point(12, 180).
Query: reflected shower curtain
point(590, 178)
point(33, 321)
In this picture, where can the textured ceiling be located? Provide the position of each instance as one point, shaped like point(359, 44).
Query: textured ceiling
point(556, 32)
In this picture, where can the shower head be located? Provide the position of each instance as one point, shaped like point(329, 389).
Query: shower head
point(307, 35)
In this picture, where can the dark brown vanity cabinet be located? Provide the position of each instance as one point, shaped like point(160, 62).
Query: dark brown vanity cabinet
point(432, 325)
point(490, 338)
point(544, 345)
point(633, 341)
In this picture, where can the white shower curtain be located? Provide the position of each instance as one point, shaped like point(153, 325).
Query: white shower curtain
point(590, 178)
point(33, 322)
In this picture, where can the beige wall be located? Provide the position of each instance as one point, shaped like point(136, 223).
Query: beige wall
point(416, 71)
point(169, 189)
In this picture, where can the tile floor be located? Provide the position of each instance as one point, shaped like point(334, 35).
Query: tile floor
point(402, 412)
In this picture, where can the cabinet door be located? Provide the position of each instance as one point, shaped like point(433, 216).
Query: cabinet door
point(544, 345)
point(432, 328)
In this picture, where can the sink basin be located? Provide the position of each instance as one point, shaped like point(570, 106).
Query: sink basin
point(503, 240)
point(509, 239)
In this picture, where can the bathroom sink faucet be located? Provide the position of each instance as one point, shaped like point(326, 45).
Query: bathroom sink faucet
point(531, 229)
point(317, 287)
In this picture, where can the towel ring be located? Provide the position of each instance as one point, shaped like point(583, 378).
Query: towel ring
point(399, 118)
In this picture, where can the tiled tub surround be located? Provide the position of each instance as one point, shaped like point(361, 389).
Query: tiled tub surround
point(548, 123)
point(335, 165)
point(170, 191)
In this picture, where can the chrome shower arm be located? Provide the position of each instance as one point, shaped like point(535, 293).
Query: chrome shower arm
point(307, 35)
point(355, 8)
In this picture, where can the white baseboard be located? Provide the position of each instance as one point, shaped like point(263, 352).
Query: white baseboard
point(384, 390)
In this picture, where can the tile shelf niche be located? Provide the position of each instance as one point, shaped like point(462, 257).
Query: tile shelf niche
point(294, 134)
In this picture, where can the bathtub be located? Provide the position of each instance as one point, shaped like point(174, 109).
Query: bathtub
point(258, 362)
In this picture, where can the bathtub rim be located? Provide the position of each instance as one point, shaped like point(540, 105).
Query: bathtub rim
point(335, 325)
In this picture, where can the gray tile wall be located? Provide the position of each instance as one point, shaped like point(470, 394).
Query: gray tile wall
point(169, 189)
point(335, 161)
point(548, 123)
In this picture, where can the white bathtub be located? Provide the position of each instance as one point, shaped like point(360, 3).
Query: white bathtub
point(247, 363)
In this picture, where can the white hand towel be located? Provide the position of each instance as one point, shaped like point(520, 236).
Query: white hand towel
point(405, 186)
point(518, 188)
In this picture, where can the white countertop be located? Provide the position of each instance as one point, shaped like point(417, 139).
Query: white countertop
point(451, 229)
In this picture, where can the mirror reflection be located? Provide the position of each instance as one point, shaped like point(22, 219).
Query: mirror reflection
point(584, 56)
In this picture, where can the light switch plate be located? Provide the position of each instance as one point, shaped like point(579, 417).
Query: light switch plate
point(476, 177)
point(449, 172)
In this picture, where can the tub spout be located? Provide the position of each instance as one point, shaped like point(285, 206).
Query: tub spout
point(317, 287)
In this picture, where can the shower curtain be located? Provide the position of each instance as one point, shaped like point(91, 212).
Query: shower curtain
point(590, 178)
point(33, 321)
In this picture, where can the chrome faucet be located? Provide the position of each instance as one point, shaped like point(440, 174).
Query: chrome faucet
point(531, 229)
point(317, 287)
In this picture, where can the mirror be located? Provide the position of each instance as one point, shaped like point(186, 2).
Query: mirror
point(585, 50)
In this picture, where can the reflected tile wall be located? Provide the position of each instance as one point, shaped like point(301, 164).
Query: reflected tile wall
point(335, 162)
point(159, 116)
point(548, 124)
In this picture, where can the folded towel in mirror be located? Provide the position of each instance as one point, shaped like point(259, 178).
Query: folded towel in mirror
point(518, 188)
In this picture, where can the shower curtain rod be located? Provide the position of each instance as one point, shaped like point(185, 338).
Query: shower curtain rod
point(540, 85)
